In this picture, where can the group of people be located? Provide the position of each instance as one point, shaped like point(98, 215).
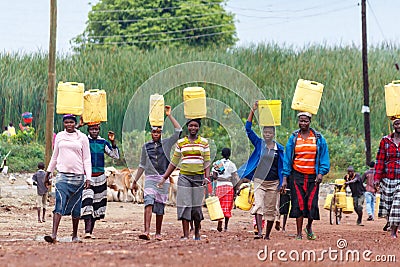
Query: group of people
point(9, 130)
point(298, 168)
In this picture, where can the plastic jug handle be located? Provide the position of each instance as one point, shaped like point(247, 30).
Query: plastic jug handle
point(74, 84)
point(93, 90)
point(314, 83)
point(396, 82)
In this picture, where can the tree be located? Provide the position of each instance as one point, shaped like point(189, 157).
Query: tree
point(156, 23)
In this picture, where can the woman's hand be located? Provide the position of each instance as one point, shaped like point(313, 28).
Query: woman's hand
point(87, 184)
point(284, 185)
point(161, 184)
point(167, 110)
point(255, 106)
point(111, 136)
point(318, 180)
point(134, 186)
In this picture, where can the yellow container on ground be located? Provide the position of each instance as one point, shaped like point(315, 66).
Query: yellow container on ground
point(156, 110)
point(245, 199)
point(341, 201)
point(307, 96)
point(70, 98)
point(214, 208)
point(194, 102)
point(392, 98)
point(94, 106)
point(270, 112)
point(349, 206)
point(328, 200)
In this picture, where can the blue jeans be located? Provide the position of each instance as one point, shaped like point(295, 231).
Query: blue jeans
point(370, 198)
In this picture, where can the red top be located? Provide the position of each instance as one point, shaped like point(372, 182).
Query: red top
point(387, 159)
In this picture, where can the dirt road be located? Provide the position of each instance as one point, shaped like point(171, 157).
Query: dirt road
point(117, 242)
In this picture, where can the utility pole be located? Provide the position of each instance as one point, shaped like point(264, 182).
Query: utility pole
point(51, 82)
point(365, 109)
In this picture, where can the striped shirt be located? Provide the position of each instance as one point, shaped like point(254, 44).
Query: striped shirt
point(305, 153)
point(191, 156)
point(98, 147)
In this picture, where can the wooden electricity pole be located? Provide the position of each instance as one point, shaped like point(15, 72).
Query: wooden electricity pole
point(367, 129)
point(51, 82)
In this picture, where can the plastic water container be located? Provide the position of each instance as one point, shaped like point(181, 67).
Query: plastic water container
point(70, 98)
point(377, 201)
point(94, 106)
point(392, 98)
point(307, 96)
point(214, 208)
point(245, 199)
point(270, 112)
point(349, 206)
point(341, 201)
point(156, 110)
point(328, 200)
point(194, 102)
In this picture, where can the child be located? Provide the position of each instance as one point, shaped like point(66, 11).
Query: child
point(41, 201)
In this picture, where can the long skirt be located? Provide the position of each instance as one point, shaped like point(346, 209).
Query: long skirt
point(225, 195)
point(304, 196)
point(389, 206)
point(189, 197)
point(94, 199)
point(68, 191)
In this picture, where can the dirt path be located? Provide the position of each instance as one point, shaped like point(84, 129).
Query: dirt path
point(117, 243)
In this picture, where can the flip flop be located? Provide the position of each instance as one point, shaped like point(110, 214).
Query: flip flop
point(310, 236)
point(76, 240)
point(197, 238)
point(144, 236)
point(258, 237)
point(159, 238)
point(49, 239)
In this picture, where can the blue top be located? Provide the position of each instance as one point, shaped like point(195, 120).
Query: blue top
point(322, 164)
point(98, 147)
point(247, 170)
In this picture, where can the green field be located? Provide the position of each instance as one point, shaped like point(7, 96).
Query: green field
point(274, 70)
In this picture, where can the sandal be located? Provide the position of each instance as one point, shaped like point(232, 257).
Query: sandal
point(258, 237)
point(159, 238)
point(310, 236)
point(184, 238)
point(299, 237)
point(76, 240)
point(197, 238)
point(50, 239)
point(144, 236)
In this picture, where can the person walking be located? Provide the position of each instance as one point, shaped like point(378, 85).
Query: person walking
point(355, 182)
point(370, 197)
point(306, 162)
point(225, 173)
point(94, 198)
point(154, 161)
point(193, 154)
point(71, 157)
point(387, 176)
point(41, 200)
point(264, 167)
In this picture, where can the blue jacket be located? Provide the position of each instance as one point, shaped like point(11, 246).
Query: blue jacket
point(247, 170)
point(322, 164)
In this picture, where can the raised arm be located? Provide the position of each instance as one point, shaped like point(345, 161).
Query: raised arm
point(175, 123)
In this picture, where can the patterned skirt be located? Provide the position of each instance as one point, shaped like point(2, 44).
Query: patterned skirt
point(225, 195)
point(94, 199)
point(389, 206)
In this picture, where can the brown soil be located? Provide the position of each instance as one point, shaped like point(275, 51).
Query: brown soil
point(117, 243)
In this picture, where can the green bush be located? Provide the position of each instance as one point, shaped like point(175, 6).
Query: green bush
point(23, 157)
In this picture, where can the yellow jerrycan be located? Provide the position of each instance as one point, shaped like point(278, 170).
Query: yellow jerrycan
point(156, 110)
point(245, 199)
point(349, 206)
point(194, 102)
point(307, 96)
point(269, 112)
point(392, 98)
point(328, 200)
point(214, 208)
point(70, 98)
point(94, 106)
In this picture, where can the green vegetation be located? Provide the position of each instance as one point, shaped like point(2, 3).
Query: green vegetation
point(275, 70)
point(158, 23)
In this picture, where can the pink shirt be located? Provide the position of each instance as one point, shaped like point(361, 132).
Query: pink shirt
point(71, 154)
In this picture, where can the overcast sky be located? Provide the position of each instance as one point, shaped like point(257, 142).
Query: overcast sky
point(25, 23)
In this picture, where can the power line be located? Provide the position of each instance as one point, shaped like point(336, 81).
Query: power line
point(158, 33)
point(285, 10)
point(164, 40)
point(157, 19)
